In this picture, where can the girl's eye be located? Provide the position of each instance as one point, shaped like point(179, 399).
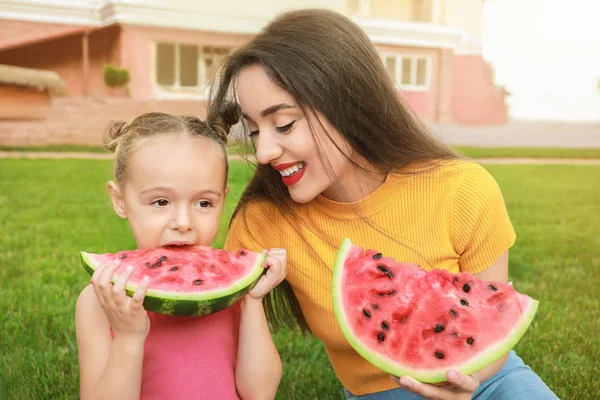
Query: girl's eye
point(253, 133)
point(160, 203)
point(285, 128)
point(204, 204)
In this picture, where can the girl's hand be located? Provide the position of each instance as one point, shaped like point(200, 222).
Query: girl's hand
point(459, 386)
point(125, 314)
point(275, 263)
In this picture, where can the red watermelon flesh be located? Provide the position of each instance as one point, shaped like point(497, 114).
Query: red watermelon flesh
point(186, 280)
point(408, 321)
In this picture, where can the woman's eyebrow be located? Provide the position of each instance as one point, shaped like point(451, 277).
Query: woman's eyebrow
point(271, 110)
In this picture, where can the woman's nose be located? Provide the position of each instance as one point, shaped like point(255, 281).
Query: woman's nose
point(267, 148)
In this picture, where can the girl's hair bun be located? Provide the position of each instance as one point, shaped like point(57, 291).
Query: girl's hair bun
point(113, 134)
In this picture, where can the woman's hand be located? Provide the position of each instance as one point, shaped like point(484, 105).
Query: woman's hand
point(275, 263)
point(126, 315)
point(459, 386)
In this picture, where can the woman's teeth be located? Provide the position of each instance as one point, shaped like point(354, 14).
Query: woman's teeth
point(292, 170)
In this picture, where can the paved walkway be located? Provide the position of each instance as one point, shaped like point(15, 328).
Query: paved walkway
point(522, 134)
point(104, 156)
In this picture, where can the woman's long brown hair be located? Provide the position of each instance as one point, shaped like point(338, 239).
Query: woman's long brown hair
point(329, 65)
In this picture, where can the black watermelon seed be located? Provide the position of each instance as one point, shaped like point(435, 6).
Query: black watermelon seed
point(466, 287)
point(439, 355)
point(375, 306)
point(385, 326)
point(390, 274)
point(123, 256)
point(438, 328)
point(470, 340)
point(391, 292)
point(380, 337)
point(464, 302)
point(382, 268)
point(377, 256)
point(174, 269)
point(493, 288)
point(455, 279)
point(198, 282)
point(242, 253)
point(453, 313)
point(366, 313)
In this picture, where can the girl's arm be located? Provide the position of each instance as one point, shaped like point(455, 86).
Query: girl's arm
point(110, 368)
point(258, 368)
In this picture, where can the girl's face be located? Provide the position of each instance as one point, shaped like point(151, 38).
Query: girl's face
point(282, 137)
point(173, 192)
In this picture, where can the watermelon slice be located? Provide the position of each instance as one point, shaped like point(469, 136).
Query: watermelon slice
point(186, 280)
point(407, 321)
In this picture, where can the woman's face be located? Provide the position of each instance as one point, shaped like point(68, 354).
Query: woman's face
point(283, 138)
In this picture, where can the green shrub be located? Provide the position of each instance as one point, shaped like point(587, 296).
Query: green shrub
point(115, 76)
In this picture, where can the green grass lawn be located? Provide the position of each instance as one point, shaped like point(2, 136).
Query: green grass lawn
point(526, 152)
point(50, 210)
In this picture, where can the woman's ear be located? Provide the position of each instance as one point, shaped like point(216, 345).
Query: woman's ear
point(116, 197)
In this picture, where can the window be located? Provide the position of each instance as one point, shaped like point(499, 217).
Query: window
point(408, 72)
point(184, 66)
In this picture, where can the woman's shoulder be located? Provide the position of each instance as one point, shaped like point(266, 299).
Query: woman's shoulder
point(451, 174)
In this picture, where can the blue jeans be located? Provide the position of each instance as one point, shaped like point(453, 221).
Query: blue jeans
point(515, 381)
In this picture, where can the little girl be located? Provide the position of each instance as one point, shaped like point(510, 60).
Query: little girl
point(170, 184)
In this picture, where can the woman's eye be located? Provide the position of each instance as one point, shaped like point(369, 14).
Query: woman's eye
point(253, 133)
point(160, 203)
point(203, 204)
point(285, 128)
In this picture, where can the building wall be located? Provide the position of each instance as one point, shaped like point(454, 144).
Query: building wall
point(83, 120)
point(424, 102)
point(475, 99)
point(137, 54)
point(22, 103)
point(464, 14)
point(64, 56)
point(15, 33)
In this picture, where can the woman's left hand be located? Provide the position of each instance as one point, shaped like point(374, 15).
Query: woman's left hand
point(275, 263)
point(459, 386)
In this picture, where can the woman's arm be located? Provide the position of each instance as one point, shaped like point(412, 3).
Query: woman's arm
point(258, 370)
point(110, 368)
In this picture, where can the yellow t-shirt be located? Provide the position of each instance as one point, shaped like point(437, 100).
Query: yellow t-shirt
point(452, 217)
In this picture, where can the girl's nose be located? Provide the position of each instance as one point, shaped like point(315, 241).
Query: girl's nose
point(182, 220)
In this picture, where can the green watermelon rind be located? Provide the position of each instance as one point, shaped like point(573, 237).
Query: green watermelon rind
point(483, 359)
point(190, 304)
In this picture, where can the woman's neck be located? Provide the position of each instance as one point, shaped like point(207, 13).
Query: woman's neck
point(356, 184)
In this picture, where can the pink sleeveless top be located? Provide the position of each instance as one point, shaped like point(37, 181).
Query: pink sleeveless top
point(191, 357)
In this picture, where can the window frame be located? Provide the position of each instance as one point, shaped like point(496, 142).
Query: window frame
point(414, 57)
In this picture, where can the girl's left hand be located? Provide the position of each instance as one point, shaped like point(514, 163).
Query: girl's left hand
point(459, 386)
point(275, 263)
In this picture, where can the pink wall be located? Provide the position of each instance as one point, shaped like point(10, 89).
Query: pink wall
point(19, 33)
point(83, 120)
point(137, 45)
point(475, 99)
point(423, 102)
point(64, 56)
point(23, 103)
point(418, 101)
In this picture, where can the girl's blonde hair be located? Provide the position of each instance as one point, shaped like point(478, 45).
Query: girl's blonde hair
point(125, 139)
